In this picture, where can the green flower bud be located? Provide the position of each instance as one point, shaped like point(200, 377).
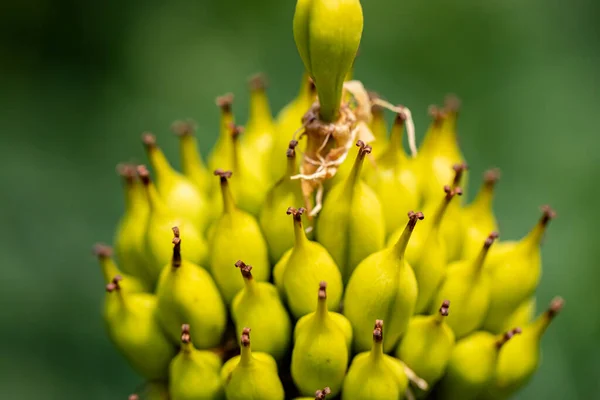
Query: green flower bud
point(327, 34)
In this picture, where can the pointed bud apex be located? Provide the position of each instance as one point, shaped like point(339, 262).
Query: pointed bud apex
point(144, 174)
point(185, 334)
point(444, 309)
point(245, 269)
point(375, 108)
point(507, 336)
point(436, 114)
point(413, 217)
point(322, 290)
point(236, 130)
point(400, 117)
point(184, 128)
point(246, 337)
point(102, 250)
point(224, 102)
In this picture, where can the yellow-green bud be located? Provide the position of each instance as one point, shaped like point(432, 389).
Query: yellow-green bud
point(327, 34)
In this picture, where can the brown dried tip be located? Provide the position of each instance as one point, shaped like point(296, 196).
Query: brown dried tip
point(184, 128)
point(450, 193)
point(452, 103)
point(245, 269)
point(548, 214)
point(322, 394)
point(311, 85)
point(400, 117)
point(490, 239)
point(297, 213)
point(144, 174)
point(378, 331)
point(436, 114)
point(185, 334)
point(224, 102)
point(413, 217)
point(363, 148)
point(322, 290)
point(224, 175)
point(236, 130)
point(102, 250)
point(148, 139)
point(459, 169)
point(114, 285)
point(291, 150)
point(258, 82)
point(491, 176)
point(133, 397)
point(555, 306)
point(246, 337)
point(176, 261)
point(507, 336)
point(126, 171)
point(444, 309)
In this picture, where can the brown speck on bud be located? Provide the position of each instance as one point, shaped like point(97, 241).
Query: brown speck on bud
point(144, 174)
point(555, 306)
point(225, 102)
point(176, 260)
point(184, 128)
point(445, 308)
point(185, 334)
point(363, 148)
point(378, 331)
point(114, 285)
point(297, 213)
point(258, 82)
point(490, 239)
point(148, 139)
point(507, 336)
point(224, 175)
point(322, 394)
point(102, 250)
point(245, 269)
point(311, 85)
point(246, 337)
point(459, 169)
point(548, 214)
point(127, 172)
point(322, 290)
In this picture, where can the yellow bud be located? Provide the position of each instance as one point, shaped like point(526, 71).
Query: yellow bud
point(327, 34)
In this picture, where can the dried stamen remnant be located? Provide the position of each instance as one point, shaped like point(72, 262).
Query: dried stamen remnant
point(245, 269)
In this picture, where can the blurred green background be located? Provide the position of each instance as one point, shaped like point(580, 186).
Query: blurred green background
point(80, 81)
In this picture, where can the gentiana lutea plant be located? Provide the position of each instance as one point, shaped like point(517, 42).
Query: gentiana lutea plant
point(270, 271)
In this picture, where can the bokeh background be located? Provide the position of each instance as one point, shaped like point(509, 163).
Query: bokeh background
point(80, 81)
